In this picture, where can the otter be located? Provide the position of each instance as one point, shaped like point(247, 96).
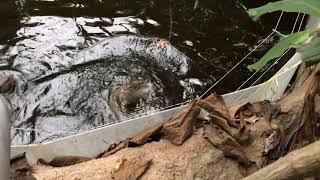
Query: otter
point(7, 84)
point(130, 94)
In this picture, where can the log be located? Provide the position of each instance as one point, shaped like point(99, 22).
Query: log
point(299, 164)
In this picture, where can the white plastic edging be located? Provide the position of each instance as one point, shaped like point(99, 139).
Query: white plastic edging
point(4, 139)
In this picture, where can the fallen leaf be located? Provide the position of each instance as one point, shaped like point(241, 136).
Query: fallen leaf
point(251, 120)
point(145, 135)
point(272, 141)
point(117, 165)
point(180, 127)
point(114, 148)
point(225, 143)
point(216, 106)
point(130, 169)
point(20, 169)
point(65, 161)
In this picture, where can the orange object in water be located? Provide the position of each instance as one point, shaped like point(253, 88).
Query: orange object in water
point(162, 43)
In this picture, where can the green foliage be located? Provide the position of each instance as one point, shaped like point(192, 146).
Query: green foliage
point(280, 48)
point(311, 7)
point(309, 52)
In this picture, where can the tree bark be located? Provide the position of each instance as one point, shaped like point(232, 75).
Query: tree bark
point(299, 164)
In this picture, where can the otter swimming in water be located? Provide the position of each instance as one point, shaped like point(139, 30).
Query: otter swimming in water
point(114, 80)
point(130, 94)
point(7, 83)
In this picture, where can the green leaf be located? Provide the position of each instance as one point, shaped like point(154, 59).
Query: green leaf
point(279, 48)
point(311, 7)
point(310, 52)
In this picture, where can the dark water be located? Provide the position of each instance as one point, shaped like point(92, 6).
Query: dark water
point(68, 55)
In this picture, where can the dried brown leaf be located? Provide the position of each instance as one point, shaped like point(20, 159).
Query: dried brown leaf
point(272, 141)
point(65, 161)
point(145, 135)
point(130, 169)
point(215, 105)
point(251, 120)
point(180, 127)
point(225, 143)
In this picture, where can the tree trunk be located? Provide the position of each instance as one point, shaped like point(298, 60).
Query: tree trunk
point(298, 164)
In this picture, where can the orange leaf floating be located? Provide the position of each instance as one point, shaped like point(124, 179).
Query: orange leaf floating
point(162, 43)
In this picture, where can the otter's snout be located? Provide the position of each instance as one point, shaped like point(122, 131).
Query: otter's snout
point(130, 94)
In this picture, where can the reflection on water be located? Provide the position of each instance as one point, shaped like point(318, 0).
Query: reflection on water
point(68, 56)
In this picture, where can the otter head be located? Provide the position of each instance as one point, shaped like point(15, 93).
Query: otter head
point(130, 94)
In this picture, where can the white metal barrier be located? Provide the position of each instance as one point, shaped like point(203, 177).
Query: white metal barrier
point(4, 139)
